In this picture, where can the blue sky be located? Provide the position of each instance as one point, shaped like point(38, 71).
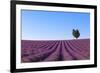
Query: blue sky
point(48, 25)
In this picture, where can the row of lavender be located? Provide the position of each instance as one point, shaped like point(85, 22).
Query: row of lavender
point(60, 50)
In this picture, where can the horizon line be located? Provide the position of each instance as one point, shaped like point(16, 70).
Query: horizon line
point(55, 40)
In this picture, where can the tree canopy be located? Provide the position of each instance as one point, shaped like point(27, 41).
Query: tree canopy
point(76, 33)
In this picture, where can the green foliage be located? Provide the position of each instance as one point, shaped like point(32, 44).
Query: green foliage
point(76, 33)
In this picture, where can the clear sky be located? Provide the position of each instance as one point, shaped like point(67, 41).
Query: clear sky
point(48, 25)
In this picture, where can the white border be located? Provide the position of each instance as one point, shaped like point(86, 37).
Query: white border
point(20, 65)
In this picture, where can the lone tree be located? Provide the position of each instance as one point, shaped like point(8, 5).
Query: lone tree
point(76, 33)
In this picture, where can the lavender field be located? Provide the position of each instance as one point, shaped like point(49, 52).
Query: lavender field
point(54, 50)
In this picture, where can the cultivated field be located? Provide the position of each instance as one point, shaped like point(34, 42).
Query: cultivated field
point(55, 50)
